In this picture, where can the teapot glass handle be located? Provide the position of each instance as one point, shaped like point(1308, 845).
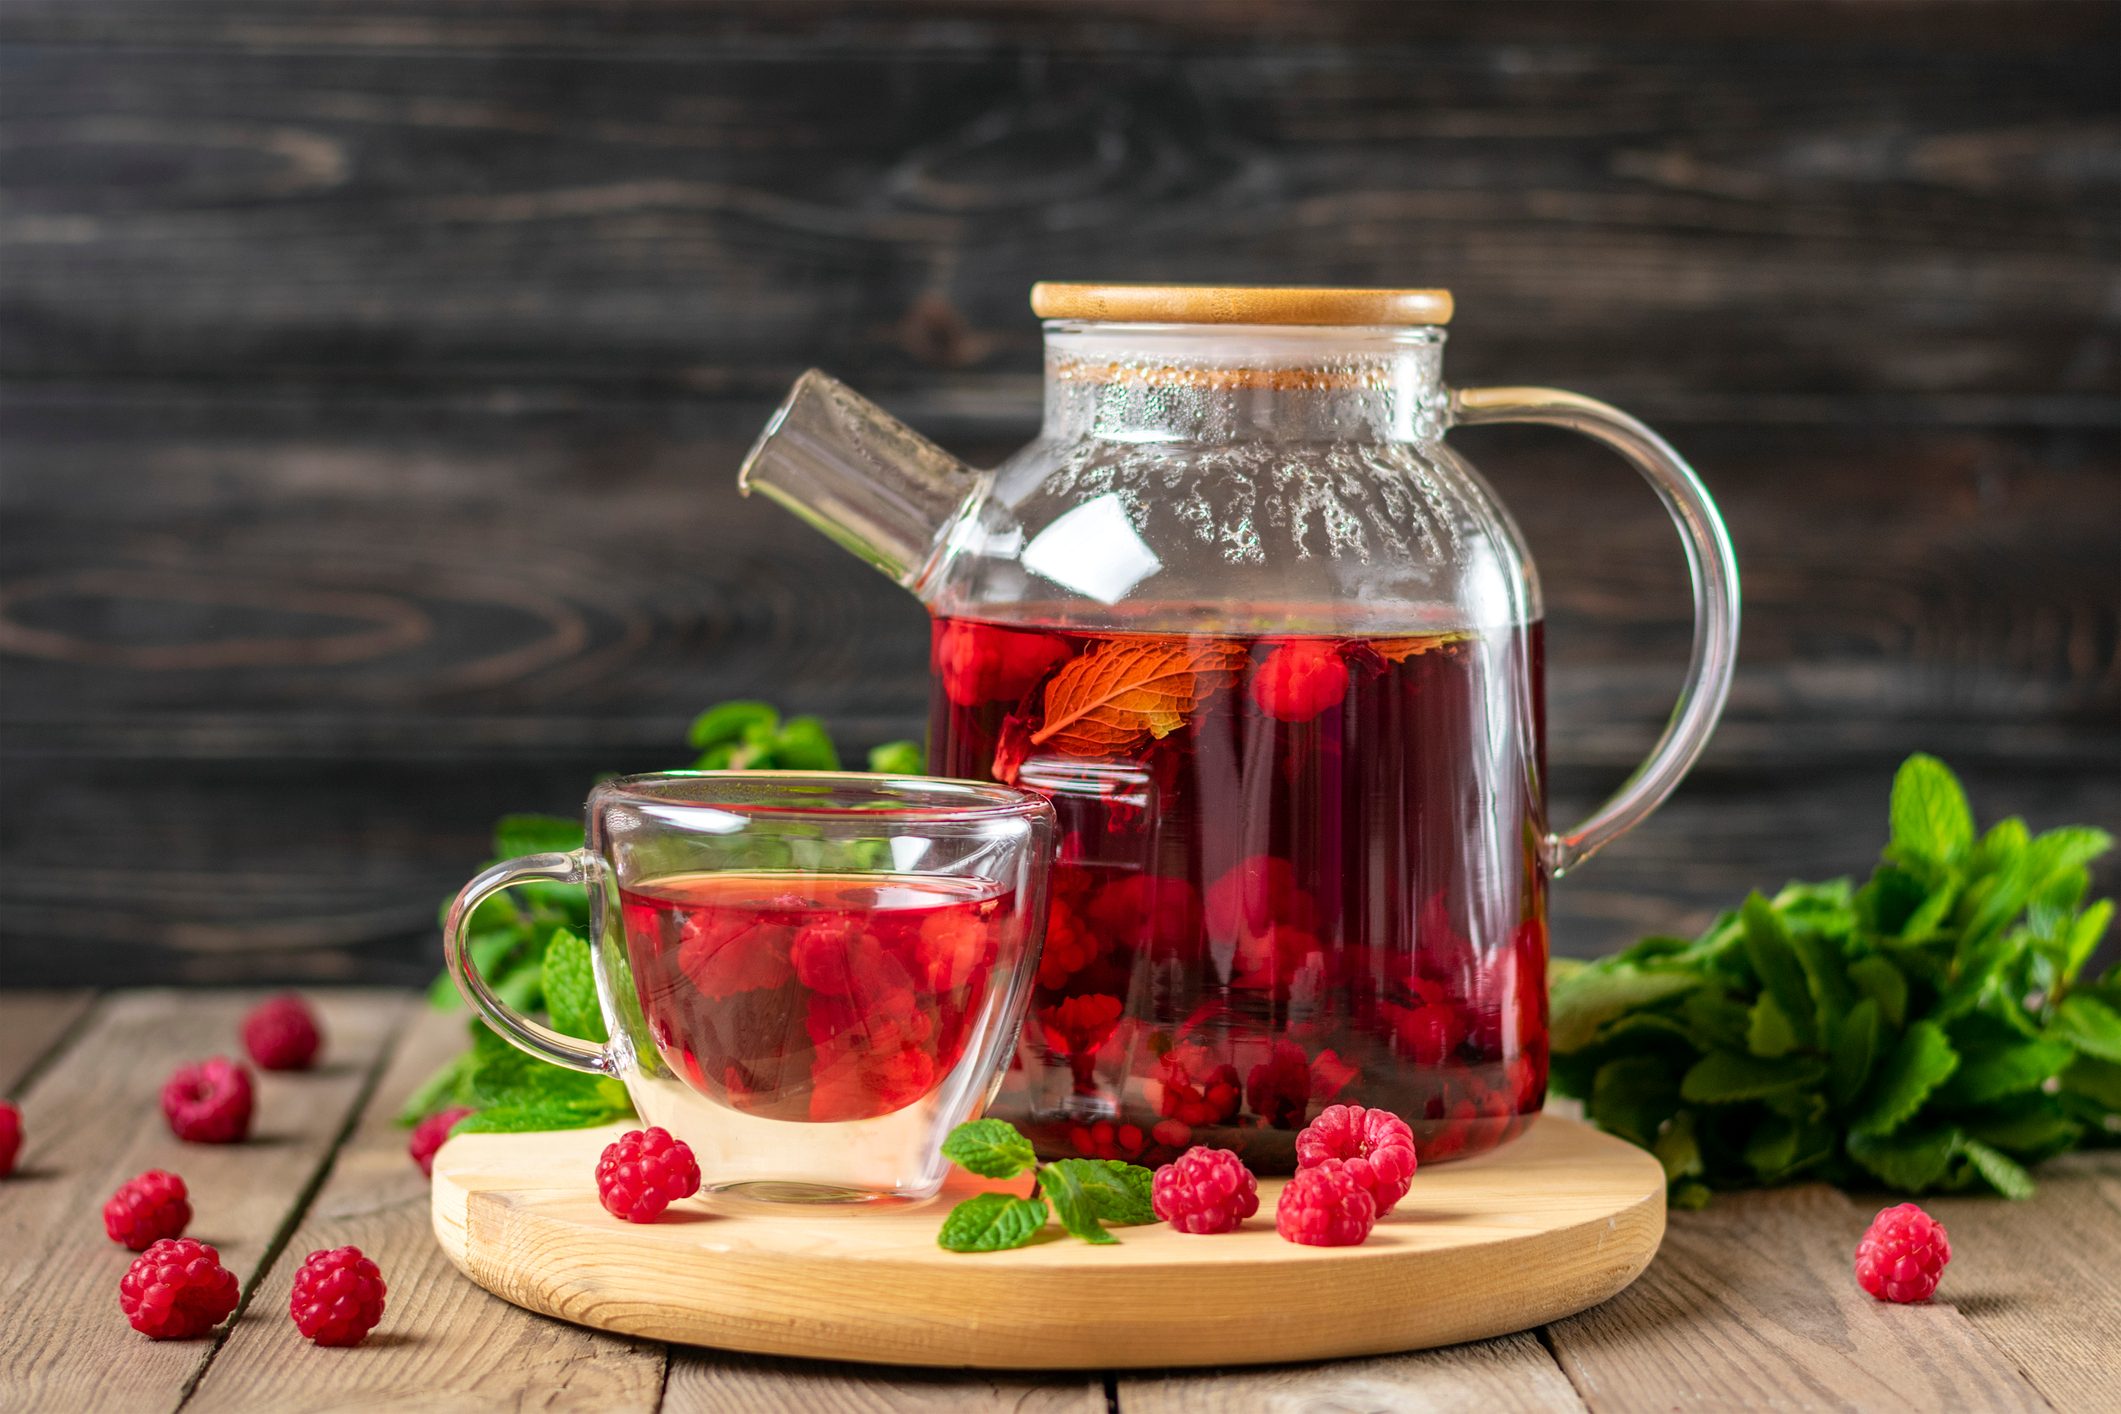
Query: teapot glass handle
point(1710, 563)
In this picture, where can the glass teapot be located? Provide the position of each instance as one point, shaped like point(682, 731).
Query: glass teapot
point(1273, 651)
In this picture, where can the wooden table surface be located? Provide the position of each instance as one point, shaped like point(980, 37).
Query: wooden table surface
point(1750, 1304)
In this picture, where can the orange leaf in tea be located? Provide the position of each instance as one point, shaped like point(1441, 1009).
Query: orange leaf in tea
point(1109, 699)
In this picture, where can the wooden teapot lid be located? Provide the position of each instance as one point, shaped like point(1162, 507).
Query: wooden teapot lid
point(1239, 304)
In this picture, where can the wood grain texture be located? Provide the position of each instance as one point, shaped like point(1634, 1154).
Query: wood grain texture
point(1656, 205)
point(95, 1122)
point(1554, 1222)
point(2041, 1279)
point(34, 1025)
point(1753, 1304)
point(718, 1382)
point(444, 1344)
point(1512, 1374)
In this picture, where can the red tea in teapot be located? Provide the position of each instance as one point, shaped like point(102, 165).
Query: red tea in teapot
point(813, 997)
point(1269, 897)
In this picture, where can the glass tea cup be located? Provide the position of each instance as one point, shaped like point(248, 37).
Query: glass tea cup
point(808, 977)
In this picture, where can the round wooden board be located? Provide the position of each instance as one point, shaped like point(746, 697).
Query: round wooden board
point(1554, 1223)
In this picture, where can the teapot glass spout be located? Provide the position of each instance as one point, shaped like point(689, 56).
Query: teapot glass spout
point(863, 477)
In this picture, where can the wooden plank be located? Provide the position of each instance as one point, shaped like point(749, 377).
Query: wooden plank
point(32, 1025)
point(1753, 1303)
point(1907, 204)
point(2042, 1278)
point(720, 1382)
point(1512, 1374)
point(98, 1121)
point(444, 1343)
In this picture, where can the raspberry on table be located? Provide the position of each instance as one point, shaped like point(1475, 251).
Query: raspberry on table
point(338, 1296)
point(643, 1172)
point(1325, 1206)
point(282, 1034)
point(428, 1134)
point(10, 1137)
point(177, 1289)
point(147, 1209)
point(1204, 1190)
point(1903, 1254)
point(1376, 1145)
point(208, 1103)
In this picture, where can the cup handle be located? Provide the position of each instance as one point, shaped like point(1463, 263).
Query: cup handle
point(577, 867)
point(1710, 564)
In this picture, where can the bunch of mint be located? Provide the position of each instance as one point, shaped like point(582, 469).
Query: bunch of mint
point(1085, 1194)
point(1930, 1030)
point(527, 942)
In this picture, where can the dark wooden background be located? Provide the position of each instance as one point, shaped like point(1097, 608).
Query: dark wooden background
point(375, 376)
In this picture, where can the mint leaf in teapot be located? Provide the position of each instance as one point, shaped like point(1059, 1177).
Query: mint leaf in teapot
point(990, 1148)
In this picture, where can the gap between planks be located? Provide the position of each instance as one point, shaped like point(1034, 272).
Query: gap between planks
point(93, 1120)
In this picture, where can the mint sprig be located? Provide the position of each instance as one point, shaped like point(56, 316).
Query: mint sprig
point(1084, 1194)
point(528, 942)
point(1931, 1029)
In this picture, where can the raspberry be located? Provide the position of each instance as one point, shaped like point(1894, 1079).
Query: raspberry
point(1903, 1254)
point(1198, 1086)
point(1325, 1206)
point(282, 1034)
point(208, 1103)
point(1279, 1087)
point(10, 1137)
point(980, 663)
point(1376, 1145)
point(177, 1289)
point(1299, 680)
point(428, 1134)
point(1204, 1190)
point(147, 1209)
point(643, 1172)
point(338, 1297)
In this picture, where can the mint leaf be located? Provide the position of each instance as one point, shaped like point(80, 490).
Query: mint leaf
point(898, 758)
point(540, 1113)
point(571, 988)
point(1993, 1073)
point(1768, 1030)
point(2002, 1172)
point(2084, 936)
point(2094, 1079)
point(2090, 1025)
point(1884, 984)
point(1118, 1191)
point(992, 1222)
point(991, 1148)
point(535, 834)
point(728, 722)
point(1062, 1184)
point(803, 745)
point(1909, 1161)
point(1923, 1060)
point(1599, 994)
point(1725, 1077)
point(1774, 960)
point(1930, 817)
point(1633, 1097)
point(1855, 1052)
